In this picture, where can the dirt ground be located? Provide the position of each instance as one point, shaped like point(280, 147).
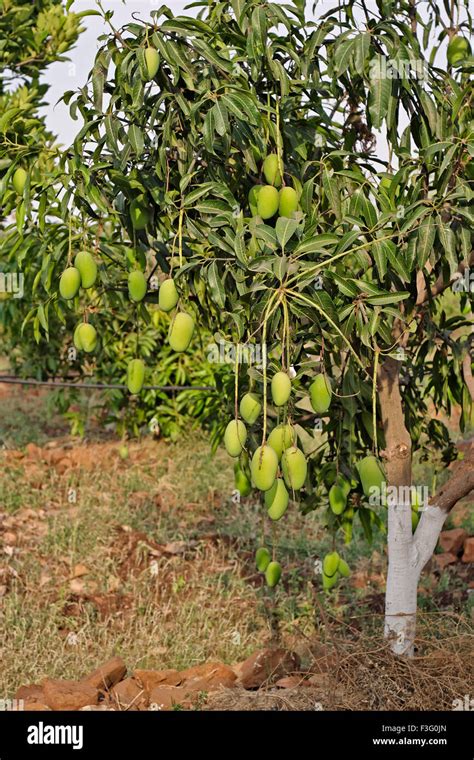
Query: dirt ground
point(144, 554)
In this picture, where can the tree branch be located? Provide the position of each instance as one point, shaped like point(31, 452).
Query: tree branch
point(441, 284)
point(460, 484)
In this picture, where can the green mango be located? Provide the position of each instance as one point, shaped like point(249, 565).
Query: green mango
point(281, 438)
point(458, 49)
point(87, 267)
point(123, 452)
point(337, 500)
point(288, 202)
point(86, 337)
point(253, 196)
point(76, 337)
point(262, 558)
point(168, 296)
point(267, 201)
point(70, 283)
point(271, 170)
point(331, 564)
point(19, 180)
point(137, 286)
point(264, 468)
point(135, 376)
point(152, 61)
point(276, 500)
point(343, 568)
point(234, 437)
point(320, 394)
point(344, 485)
point(273, 574)
point(281, 388)
point(181, 331)
point(242, 483)
point(329, 581)
point(415, 519)
point(250, 408)
point(371, 474)
point(139, 215)
point(295, 467)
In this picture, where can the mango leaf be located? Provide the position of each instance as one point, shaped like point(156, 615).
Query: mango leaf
point(285, 228)
point(379, 90)
point(425, 240)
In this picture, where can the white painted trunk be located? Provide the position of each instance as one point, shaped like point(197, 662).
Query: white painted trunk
point(407, 556)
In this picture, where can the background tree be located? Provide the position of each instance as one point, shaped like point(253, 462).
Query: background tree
point(178, 118)
point(37, 230)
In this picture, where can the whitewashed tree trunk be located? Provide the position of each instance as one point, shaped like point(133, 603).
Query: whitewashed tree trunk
point(407, 556)
point(407, 553)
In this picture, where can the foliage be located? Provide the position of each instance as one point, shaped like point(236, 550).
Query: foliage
point(339, 287)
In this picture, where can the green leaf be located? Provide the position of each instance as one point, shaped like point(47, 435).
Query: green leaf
point(266, 233)
point(392, 297)
point(379, 91)
point(215, 283)
point(425, 240)
point(331, 189)
point(380, 257)
point(135, 136)
point(285, 228)
point(221, 121)
point(448, 241)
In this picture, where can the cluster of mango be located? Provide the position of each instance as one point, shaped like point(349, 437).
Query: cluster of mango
point(281, 453)
point(266, 200)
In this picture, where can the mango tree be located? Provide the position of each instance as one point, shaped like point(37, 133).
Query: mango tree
point(238, 152)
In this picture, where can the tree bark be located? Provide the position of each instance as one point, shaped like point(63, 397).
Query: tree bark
point(407, 553)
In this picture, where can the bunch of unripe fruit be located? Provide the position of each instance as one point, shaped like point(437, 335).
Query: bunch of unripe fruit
point(265, 564)
point(279, 467)
point(84, 274)
point(334, 567)
point(266, 200)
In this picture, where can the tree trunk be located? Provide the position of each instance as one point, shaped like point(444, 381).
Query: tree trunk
point(408, 553)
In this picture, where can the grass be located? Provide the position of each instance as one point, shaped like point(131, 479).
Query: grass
point(151, 559)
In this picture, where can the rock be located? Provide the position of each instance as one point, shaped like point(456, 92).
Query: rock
point(68, 695)
point(33, 451)
point(208, 677)
point(468, 555)
point(33, 692)
point(166, 697)
point(108, 674)
point(148, 679)
point(452, 541)
point(440, 561)
point(128, 694)
point(267, 665)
